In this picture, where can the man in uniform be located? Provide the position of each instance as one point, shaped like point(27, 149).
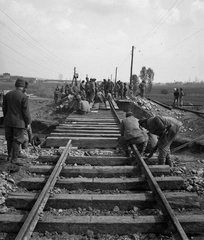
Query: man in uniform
point(16, 119)
point(132, 134)
point(82, 106)
point(166, 128)
point(142, 87)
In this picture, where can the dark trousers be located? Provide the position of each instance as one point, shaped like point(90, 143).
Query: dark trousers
point(14, 137)
point(141, 146)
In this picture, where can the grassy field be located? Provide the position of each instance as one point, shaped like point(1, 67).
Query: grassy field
point(39, 89)
point(194, 92)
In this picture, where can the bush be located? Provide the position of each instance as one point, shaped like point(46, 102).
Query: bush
point(164, 91)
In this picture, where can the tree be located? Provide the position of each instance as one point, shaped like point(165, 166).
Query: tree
point(143, 74)
point(148, 76)
point(150, 79)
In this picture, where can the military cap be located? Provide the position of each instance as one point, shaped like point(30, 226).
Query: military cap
point(20, 82)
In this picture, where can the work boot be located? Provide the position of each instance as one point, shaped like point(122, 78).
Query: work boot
point(168, 161)
point(16, 149)
point(127, 153)
point(9, 150)
point(161, 161)
point(12, 168)
point(22, 155)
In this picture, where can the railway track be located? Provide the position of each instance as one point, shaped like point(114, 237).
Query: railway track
point(91, 186)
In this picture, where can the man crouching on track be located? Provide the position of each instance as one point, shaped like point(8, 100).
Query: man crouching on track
point(16, 119)
point(82, 106)
point(132, 134)
point(166, 128)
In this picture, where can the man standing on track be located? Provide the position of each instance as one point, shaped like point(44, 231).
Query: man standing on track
point(166, 128)
point(16, 119)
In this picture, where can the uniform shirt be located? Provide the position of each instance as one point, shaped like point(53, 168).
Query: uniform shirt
point(130, 129)
point(157, 125)
point(16, 109)
point(84, 106)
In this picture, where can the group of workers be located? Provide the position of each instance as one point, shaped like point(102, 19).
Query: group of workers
point(148, 134)
point(88, 89)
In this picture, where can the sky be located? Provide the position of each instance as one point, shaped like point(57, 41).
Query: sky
point(48, 38)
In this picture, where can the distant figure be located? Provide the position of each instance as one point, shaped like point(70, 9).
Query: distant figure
point(1, 97)
point(176, 97)
point(56, 94)
point(142, 87)
point(88, 89)
point(166, 128)
point(83, 90)
point(181, 94)
point(100, 98)
point(92, 90)
point(125, 91)
point(66, 89)
point(82, 106)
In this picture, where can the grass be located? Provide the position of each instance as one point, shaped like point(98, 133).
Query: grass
point(194, 92)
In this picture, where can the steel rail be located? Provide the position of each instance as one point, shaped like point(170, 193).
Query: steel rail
point(161, 104)
point(37, 210)
point(188, 110)
point(159, 195)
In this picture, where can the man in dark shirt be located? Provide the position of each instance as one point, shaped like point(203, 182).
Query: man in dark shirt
point(16, 119)
point(166, 128)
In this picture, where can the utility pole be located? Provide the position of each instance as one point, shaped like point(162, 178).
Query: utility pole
point(116, 72)
point(131, 66)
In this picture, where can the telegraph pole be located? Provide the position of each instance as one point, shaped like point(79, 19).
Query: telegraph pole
point(116, 72)
point(131, 66)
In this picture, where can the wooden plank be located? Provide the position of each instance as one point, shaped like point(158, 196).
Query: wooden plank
point(100, 171)
point(88, 127)
point(86, 131)
point(92, 134)
point(95, 120)
point(90, 124)
point(167, 183)
point(82, 142)
point(125, 202)
point(121, 225)
point(92, 160)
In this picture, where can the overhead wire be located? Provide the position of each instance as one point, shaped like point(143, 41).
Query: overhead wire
point(27, 42)
point(178, 43)
point(20, 63)
point(158, 24)
point(53, 55)
point(24, 56)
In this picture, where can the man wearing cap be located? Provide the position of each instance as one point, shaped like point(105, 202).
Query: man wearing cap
point(166, 128)
point(132, 134)
point(82, 106)
point(16, 118)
